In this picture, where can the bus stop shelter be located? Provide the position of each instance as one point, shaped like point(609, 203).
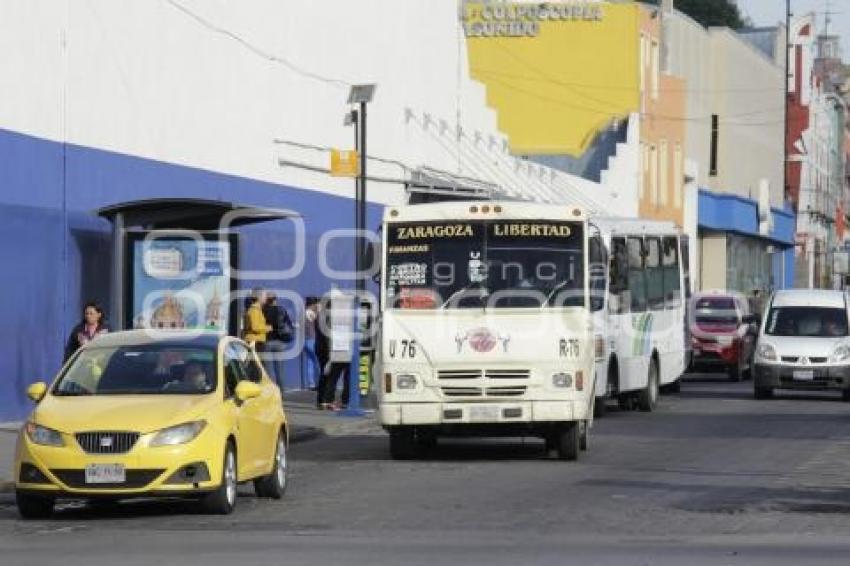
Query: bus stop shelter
point(200, 229)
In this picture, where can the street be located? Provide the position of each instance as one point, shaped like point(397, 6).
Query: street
point(713, 477)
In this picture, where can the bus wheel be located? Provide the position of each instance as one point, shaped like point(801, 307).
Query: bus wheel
point(674, 387)
point(426, 439)
point(600, 406)
point(762, 392)
point(584, 429)
point(648, 397)
point(402, 443)
point(567, 441)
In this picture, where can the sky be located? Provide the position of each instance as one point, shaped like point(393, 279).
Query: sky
point(769, 12)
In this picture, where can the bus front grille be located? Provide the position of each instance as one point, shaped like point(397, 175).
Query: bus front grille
point(459, 374)
point(462, 391)
point(506, 391)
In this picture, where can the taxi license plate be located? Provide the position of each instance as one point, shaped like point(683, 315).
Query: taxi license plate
point(105, 473)
point(804, 374)
point(484, 413)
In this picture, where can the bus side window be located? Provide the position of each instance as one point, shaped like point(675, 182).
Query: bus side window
point(598, 263)
point(619, 277)
point(654, 274)
point(672, 274)
point(637, 274)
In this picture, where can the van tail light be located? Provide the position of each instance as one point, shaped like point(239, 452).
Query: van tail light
point(579, 380)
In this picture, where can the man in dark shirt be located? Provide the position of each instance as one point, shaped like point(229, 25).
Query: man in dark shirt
point(280, 335)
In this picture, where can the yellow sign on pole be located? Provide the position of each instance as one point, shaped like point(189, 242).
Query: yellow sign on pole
point(345, 163)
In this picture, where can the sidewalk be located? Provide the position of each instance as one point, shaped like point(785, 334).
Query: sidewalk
point(306, 423)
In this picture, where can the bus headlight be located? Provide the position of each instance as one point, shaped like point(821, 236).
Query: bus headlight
point(562, 380)
point(405, 381)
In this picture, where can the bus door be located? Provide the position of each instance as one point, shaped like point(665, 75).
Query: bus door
point(598, 277)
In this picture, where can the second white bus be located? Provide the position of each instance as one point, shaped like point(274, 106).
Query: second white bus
point(640, 285)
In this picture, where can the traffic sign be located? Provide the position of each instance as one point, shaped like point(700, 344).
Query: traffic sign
point(345, 163)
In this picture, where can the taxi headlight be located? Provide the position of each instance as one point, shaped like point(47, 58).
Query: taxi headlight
point(45, 436)
point(841, 353)
point(562, 380)
point(766, 352)
point(405, 381)
point(180, 434)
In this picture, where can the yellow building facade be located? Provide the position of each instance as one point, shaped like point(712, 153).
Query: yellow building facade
point(559, 75)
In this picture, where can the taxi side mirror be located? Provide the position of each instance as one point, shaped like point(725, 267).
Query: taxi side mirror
point(37, 391)
point(247, 390)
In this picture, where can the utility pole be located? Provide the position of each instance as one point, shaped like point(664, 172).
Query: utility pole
point(360, 95)
point(787, 95)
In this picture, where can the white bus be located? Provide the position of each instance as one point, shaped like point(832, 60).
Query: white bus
point(639, 311)
point(486, 324)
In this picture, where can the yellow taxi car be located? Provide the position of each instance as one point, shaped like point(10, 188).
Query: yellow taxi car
point(141, 413)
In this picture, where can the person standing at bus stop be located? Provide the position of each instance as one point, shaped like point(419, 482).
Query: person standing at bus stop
point(91, 326)
point(314, 368)
point(330, 371)
point(280, 335)
point(256, 327)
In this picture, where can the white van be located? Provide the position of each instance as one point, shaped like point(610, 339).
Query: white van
point(803, 343)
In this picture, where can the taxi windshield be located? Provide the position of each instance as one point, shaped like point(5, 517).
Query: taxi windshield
point(139, 370)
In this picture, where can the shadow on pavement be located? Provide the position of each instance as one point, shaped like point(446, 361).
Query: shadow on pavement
point(778, 426)
point(713, 498)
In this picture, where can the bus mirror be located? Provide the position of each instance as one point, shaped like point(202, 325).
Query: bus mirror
point(372, 259)
point(596, 303)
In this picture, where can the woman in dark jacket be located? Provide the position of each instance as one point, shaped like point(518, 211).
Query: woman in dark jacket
point(92, 325)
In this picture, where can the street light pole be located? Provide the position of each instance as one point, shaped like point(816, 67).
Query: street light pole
point(360, 95)
point(786, 90)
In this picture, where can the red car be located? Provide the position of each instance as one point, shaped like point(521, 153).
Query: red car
point(723, 334)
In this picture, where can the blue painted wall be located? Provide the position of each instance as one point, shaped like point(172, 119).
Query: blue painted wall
point(56, 253)
point(732, 213)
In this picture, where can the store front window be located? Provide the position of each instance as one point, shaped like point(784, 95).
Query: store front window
point(748, 264)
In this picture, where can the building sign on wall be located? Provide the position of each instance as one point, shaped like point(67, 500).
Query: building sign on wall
point(521, 19)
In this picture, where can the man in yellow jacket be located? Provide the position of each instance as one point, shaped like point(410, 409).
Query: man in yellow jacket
point(256, 328)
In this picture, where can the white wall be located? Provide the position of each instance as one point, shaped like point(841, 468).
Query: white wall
point(729, 77)
point(143, 77)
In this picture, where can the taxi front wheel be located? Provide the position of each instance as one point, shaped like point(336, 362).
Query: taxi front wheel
point(34, 506)
point(274, 485)
point(223, 499)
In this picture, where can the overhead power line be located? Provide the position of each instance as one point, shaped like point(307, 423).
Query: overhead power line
point(258, 50)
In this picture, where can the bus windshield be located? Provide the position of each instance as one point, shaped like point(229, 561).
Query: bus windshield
point(498, 264)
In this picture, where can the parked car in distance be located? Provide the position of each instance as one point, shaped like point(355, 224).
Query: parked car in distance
point(804, 343)
point(723, 333)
